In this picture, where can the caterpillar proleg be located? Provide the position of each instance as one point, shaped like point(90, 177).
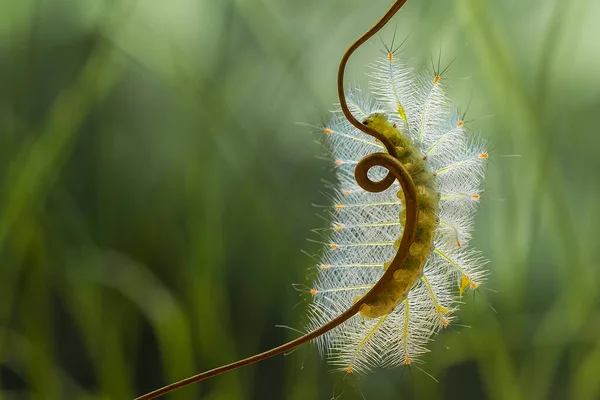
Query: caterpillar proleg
point(446, 164)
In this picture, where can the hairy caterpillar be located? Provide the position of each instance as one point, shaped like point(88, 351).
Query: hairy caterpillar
point(446, 165)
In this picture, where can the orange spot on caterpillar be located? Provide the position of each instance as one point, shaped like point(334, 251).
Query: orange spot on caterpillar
point(338, 227)
point(474, 285)
point(458, 243)
point(333, 246)
point(338, 162)
point(339, 206)
point(327, 131)
point(442, 311)
point(349, 369)
point(475, 196)
point(436, 79)
point(325, 266)
point(390, 56)
point(313, 291)
point(483, 155)
point(395, 126)
point(347, 192)
point(460, 123)
point(407, 361)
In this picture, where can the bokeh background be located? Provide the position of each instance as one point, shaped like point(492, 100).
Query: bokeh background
point(157, 194)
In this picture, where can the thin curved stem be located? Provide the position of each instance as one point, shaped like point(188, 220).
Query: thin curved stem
point(396, 171)
point(340, 77)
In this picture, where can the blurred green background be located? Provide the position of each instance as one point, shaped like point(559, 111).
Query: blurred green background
point(156, 193)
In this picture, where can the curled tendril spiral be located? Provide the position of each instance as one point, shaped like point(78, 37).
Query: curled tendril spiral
point(396, 170)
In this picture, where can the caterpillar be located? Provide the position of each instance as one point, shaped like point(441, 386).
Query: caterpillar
point(446, 164)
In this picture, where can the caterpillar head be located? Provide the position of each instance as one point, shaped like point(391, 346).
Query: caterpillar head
point(379, 122)
point(376, 120)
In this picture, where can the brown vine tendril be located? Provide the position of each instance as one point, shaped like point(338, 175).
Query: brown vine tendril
point(340, 78)
point(396, 171)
